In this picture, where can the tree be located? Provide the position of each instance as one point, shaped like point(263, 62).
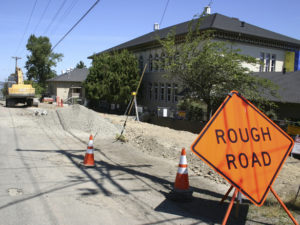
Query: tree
point(80, 65)
point(41, 59)
point(209, 69)
point(112, 77)
point(4, 89)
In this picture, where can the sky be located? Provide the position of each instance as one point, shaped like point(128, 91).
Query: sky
point(112, 22)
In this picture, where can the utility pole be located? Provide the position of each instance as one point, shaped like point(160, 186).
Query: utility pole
point(16, 58)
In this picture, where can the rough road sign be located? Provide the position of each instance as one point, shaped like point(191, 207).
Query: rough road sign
point(244, 146)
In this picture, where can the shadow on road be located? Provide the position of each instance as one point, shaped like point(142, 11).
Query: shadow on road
point(206, 210)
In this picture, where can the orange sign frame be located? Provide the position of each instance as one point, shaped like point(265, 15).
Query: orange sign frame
point(244, 146)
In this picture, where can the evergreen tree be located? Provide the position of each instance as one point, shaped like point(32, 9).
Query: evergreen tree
point(112, 77)
point(80, 65)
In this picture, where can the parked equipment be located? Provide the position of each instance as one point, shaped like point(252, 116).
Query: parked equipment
point(20, 92)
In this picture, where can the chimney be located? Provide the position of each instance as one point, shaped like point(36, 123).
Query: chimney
point(156, 26)
point(242, 24)
point(207, 10)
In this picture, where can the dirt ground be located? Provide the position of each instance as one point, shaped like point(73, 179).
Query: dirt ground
point(162, 142)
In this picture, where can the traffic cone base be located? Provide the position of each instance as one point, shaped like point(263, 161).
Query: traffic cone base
point(182, 182)
point(89, 160)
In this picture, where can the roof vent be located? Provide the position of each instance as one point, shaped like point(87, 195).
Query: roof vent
point(207, 10)
point(156, 26)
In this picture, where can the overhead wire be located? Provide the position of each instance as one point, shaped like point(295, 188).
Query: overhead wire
point(163, 15)
point(42, 16)
point(64, 16)
point(87, 12)
point(26, 28)
point(55, 16)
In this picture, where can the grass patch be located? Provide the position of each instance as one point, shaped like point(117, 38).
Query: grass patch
point(273, 211)
point(294, 202)
point(121, 137)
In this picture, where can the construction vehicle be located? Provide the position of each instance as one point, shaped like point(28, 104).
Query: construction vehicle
point(20, 92)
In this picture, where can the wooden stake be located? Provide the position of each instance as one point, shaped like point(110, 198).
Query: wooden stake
point(132, 102)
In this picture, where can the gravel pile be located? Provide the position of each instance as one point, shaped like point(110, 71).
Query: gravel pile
point(77, 119)
point(164, 142)
point(152, 140)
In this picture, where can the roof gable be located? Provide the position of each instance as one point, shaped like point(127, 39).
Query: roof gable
point(76, 75)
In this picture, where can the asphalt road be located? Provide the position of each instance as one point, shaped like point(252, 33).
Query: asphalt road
point(42, 181)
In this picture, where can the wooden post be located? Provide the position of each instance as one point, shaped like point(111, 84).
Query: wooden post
point(136, 109)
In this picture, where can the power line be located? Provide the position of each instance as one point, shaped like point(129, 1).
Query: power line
point(64, 16)
point(42, 17)
point(27, 25)
point(56, 14)
point(75, 24)
point(164, 13)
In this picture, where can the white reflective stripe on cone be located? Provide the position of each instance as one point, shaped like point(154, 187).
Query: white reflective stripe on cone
point(182, 170)
point(183, 160)
point(90, 143)
point(90, 151)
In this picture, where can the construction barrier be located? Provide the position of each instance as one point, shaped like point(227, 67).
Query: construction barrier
point(89, 155)
point(181, 191)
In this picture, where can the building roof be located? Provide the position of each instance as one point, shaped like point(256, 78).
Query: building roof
point(76, 75)
point(215, 22)
point(288, 83)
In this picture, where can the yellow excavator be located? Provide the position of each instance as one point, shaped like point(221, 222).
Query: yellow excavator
point(20, 92)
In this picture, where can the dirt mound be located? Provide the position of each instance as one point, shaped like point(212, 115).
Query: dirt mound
point(167, 143)
point(77, 119)
point(156, 141)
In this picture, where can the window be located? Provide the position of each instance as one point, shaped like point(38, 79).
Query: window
point(175, 93)
point(150, 91)
point(162, 92)
point(169, 92)
point(150, 63)
point(155, 91)
point(267, 62)
point(176, 57)
point(163, 62)
point(141, 63)
point(156, 62)
point(267, 65)
point(273, 62)
point(262, 61)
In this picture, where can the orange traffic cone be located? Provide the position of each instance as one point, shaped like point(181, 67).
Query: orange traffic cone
point(182, 177)
point(182, 191)
point(89, 155)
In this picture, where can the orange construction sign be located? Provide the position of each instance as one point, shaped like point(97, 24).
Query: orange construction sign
point(244, 146)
